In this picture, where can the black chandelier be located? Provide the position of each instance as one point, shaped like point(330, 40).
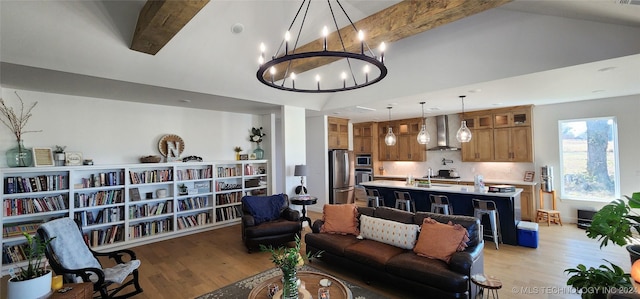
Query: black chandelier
point(279, 71)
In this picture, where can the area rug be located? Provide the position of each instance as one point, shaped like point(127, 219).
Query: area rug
point(242, 288)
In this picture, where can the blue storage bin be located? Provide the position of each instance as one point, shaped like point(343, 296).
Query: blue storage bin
point(528, 234)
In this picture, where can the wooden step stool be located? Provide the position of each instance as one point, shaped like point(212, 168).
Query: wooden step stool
point(548, 216)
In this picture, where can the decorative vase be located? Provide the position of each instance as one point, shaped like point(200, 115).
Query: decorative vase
point(19, 156)
point(59, 159)
point(289, 283)
point(237, 155)
point(38, 287)
point(259, 152)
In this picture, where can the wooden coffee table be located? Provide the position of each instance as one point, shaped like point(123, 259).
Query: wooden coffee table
point(312, 284)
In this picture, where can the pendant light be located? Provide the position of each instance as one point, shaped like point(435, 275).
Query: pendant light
point(423, 136)
point(464, 134)
point(390, 138)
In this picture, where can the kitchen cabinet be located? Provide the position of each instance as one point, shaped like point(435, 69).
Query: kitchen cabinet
point(527, 210)
point(483, 121)
point(480, 148)
point(338, 135)
point(513, 144)
point(499, 135)
point(515, 118)
point(407, 147)
point(363, 139)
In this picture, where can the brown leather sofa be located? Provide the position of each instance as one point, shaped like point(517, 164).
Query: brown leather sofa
point(274, 232)
point(382, 263)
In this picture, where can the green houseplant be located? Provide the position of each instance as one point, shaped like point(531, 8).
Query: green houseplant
point(33, 280)
point(616, 223)
point(596, 282)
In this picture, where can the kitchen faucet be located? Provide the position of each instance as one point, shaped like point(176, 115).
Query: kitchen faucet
point(445, 161)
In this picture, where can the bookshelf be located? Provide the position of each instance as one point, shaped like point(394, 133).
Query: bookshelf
point(121, 206)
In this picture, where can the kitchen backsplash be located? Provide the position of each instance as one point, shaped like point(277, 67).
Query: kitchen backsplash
point(466, 170)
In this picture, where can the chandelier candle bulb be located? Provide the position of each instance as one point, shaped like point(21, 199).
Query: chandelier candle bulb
point(366, 73)
point(361, 38)
point(318, 81)
point(287, 36)
point(382, 48)
point(293, 80)
point(325, 32)
point(272, 70)
point(344, 79)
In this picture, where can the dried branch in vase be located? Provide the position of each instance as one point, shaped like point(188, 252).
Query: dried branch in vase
point(16, 122)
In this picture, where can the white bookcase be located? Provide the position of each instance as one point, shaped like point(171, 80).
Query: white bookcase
point(121, 206)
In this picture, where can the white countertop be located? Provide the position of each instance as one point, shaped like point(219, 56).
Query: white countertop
point(445, 188)
point(487, 181)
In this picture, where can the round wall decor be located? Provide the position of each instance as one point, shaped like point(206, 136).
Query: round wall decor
point(169, 141)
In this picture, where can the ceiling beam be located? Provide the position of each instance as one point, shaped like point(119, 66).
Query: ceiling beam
point(160, 20)
point(394, 23)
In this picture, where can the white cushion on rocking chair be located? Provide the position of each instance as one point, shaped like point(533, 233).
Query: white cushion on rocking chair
point(73, 252)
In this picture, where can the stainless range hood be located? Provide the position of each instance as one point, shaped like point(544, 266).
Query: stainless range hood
point(442, 124)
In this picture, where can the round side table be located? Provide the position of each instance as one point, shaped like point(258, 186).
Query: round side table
point(491, 284)
point(304, 201)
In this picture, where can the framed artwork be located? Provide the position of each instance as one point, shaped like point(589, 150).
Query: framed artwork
point(72, 158)
point(43, 156)
point(134, 194)
point(528, 176)
point(252, 156)
point(244, 157)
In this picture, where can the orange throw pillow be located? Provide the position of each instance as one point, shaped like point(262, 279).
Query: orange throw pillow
point(439, 241)
point(340, 219)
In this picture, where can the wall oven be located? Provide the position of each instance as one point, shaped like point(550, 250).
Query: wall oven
point(363, 175)
point(363, 161)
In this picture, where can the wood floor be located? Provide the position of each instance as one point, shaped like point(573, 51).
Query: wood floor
point(193, 265)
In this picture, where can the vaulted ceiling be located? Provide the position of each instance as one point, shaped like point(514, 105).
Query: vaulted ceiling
point(518, 53)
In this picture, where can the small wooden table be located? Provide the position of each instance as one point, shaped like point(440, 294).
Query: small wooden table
point(82, 290)
point(312, 283)
point(304, 201)
point(490, 283)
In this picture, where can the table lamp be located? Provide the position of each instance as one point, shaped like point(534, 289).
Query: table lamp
point(301, 171)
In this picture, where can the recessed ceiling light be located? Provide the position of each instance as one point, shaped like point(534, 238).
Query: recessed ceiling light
point(337, 112)
point(496, 104)
point(185, 101)
point(237, 28)
point(598, 91)
point(607, 69)
point(433, 109)
point(475, 90)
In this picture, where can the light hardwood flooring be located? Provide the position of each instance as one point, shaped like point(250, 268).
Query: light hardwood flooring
point(189, 266)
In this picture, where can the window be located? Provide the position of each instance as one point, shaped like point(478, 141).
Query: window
point(589, 159)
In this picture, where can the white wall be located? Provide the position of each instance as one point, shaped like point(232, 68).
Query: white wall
point(317, 160)
point(112, 132)
point(545, 135)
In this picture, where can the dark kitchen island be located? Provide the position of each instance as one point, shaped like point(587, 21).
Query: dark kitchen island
point(460, 196)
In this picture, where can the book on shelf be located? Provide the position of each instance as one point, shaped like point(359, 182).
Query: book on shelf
point(134, 194)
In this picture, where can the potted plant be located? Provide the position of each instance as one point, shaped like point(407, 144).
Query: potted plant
point(58, 154)
point(618, 223)
point(237, 149)
point(182, 189)
point(595, 283)
point(33, 280)
point(615, 222)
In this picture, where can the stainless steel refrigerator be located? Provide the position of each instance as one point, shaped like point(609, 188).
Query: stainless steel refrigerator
point(341, 176)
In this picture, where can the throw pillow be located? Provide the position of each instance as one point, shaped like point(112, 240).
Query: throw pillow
point(389, 232)
point(438, 240)
point(340, 219)
point(264, 208)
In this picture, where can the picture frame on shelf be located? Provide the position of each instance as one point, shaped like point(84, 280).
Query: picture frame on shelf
point(72, 158)
point(528, 176)
point(244, 157)
point(252, 156)
point(42, 156)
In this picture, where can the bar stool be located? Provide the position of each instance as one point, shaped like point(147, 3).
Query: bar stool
point(440, 204)
point(404, 201)
point(374, 199)
point(488, 207)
